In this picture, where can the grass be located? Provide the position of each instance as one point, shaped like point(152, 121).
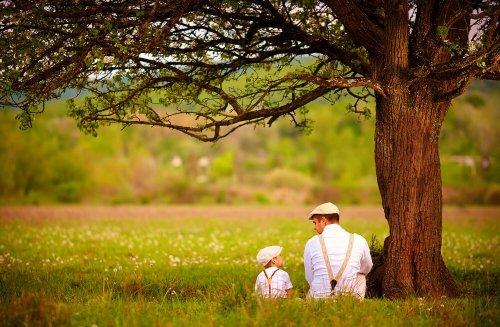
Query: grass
point(175, 271)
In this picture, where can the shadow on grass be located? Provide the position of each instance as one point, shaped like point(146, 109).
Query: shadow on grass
point(477, 282)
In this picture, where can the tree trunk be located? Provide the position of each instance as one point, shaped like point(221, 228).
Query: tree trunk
point(408, 124)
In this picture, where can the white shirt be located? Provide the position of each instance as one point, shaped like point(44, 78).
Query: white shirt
point(336, 241)
point(280, 282)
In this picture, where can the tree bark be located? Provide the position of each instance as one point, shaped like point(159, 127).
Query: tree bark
point(408, 123)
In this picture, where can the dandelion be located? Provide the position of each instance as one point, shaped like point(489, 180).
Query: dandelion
point(176, 161)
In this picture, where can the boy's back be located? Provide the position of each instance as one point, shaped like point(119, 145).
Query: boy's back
point(280, 283)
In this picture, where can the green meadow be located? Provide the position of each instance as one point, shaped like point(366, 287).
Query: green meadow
point(201, 271)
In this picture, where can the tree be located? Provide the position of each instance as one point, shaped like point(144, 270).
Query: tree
point(206, 68)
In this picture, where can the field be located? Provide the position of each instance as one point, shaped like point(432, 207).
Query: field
point(149, 266)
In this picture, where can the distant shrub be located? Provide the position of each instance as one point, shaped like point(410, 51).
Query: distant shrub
point(121, 196)
point(222, 165)
point(472, 195)
point(325, 192)
point(262, 198)
point(221, 196)
point(68, 192)
point(492, 195)
point(287, 178)
point(475, 100)
point(177, 188)
point(454, 174)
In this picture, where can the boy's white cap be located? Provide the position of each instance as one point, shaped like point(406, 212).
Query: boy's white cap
point(324, 209)
point(268, 253)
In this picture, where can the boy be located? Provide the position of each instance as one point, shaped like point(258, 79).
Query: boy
point(273, 282)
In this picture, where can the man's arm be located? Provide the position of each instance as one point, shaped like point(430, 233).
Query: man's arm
point(366, 259)
point(307, 262)
point(288, 285)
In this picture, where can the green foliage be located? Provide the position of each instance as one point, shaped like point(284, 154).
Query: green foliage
point(54, 162)
point(261, 198)
point(475, 100)
point(222, 165)
point(288, 178)
point(470, 139)
point(442, 31)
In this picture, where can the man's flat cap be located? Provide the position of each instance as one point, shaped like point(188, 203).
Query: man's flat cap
point(324, 209)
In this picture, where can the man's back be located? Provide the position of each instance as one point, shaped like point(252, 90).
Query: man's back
point(336, 241)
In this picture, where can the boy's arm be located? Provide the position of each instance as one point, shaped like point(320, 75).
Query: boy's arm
point(307, 263)
point(256, 287)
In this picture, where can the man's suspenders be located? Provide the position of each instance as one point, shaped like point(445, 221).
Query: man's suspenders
point(334, 280)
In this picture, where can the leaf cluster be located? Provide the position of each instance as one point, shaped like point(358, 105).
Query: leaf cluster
point(205, 68)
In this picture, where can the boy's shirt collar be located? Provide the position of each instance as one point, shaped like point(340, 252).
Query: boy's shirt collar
point(270, 269)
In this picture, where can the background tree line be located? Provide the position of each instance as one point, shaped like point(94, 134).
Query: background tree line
point(54, 162)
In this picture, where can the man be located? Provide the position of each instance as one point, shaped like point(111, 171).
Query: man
point(325, 218)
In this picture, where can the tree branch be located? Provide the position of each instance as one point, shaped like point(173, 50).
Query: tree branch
point(358, 25)
point(199, 132)
point(340, 82)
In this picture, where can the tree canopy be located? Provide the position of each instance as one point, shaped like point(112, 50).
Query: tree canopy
point(205, 68)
